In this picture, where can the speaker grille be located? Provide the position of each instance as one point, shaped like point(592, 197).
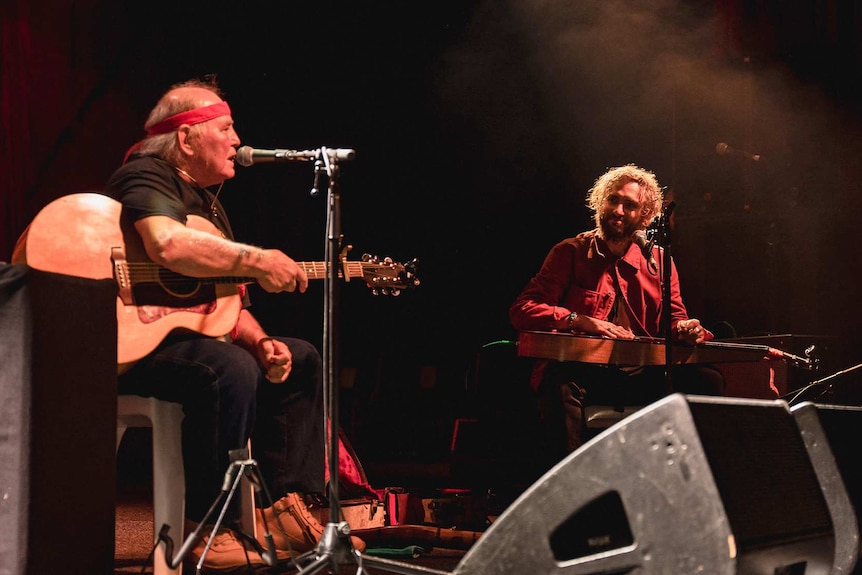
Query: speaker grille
point(759, 462)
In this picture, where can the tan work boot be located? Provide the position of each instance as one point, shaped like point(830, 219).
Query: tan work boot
point(293, 527)
point(227, 554)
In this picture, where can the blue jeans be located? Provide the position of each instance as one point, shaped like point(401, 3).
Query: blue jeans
point(227, 399)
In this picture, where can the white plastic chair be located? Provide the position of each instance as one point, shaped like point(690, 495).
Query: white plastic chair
point(169, 488)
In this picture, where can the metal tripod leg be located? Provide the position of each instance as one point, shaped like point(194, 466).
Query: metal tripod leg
point(238, 469)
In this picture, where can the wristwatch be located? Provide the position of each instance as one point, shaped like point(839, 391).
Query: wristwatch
point(573, 317)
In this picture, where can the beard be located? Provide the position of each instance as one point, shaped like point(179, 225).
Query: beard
point(614, 233)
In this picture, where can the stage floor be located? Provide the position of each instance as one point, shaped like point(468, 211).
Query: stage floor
point(134, 532)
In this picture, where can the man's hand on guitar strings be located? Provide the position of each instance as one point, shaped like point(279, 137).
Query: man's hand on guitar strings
point(593, 326)
point(690, 331)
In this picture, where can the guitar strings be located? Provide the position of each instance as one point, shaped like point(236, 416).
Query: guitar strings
point(318, 269)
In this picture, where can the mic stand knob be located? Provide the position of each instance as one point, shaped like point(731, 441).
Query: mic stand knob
point(315, 188)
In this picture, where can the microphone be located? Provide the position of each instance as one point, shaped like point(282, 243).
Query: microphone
point(646, 245)
point(723, 149)
point(247, 156)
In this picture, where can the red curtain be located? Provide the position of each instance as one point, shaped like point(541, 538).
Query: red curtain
point(66, 116)
point(18, 168)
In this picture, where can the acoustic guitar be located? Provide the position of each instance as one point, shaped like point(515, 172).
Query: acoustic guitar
point(81, 235)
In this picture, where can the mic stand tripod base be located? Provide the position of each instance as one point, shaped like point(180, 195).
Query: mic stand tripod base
point(335, 549)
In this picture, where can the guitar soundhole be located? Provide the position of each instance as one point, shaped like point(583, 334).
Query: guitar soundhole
point(157, 295)
point(178, 285)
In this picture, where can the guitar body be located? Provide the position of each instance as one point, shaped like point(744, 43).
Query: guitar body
point(81, 235)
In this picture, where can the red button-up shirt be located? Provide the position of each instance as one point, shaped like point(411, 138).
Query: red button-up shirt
point(580, 274)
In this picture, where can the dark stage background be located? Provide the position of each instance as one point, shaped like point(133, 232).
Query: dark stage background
point(478, 127)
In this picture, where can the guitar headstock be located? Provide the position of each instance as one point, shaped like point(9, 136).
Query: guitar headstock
point(386, 277)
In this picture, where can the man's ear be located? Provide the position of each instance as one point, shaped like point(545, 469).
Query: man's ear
point(183, 140)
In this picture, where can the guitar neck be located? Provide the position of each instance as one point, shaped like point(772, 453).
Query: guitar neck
point(147, 271)
point(319, 270)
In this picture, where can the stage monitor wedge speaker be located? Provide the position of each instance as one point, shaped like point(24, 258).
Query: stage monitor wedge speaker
point(842, 427)
point(687, 485)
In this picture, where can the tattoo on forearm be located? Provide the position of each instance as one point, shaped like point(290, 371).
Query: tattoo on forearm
point(249, 252)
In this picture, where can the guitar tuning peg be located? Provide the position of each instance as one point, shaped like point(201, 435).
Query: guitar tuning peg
point(369, 258)
point(395, 292)
point(387, 260)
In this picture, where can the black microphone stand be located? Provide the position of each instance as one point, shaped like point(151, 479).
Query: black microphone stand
point(241, 466)
point(335, 547)
point(663, 240)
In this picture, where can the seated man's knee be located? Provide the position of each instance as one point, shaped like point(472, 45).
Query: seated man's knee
point(307, 363)
point(305, 354)
point(235, 374)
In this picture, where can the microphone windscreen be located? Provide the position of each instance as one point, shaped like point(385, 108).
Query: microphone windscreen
point(244, 156)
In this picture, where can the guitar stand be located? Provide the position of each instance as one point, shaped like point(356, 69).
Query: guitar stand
point(335, 547)
point(241, 466)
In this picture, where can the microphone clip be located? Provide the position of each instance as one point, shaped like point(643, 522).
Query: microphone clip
point(645, 240)
point(651, 234)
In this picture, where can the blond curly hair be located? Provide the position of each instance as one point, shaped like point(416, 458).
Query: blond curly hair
point(651, 196)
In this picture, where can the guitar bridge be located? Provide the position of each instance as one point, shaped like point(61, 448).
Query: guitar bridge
point(121, 275)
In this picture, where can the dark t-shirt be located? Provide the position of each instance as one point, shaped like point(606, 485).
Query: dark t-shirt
point(149, 186)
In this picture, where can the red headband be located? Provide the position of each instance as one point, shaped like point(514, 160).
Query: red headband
point(190, 117)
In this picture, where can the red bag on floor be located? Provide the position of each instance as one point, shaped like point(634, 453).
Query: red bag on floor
point(352, 481)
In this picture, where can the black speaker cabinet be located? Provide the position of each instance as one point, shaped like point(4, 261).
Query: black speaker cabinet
point(58, 421)
point(687, 485)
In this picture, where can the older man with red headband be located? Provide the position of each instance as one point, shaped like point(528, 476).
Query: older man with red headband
point(246, 384)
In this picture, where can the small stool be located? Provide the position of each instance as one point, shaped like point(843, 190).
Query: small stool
point(604, 416)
